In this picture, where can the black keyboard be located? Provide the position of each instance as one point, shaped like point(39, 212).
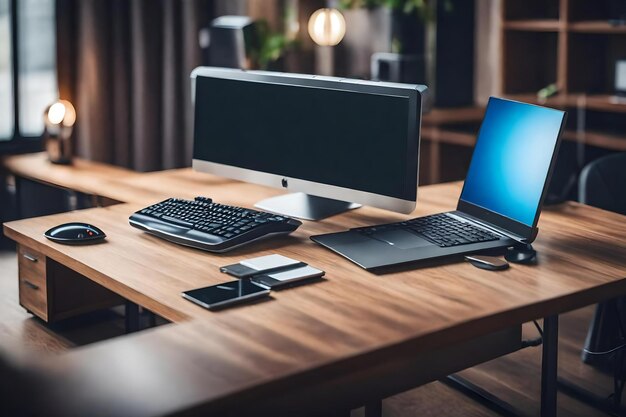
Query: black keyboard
point(441, 229)
point(206, 225)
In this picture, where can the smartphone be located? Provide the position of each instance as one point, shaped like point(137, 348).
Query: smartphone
point(281, 279)
point(226, 294)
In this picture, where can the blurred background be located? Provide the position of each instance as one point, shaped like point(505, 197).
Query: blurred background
point(125, 67)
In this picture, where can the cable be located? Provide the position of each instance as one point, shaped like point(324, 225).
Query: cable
point(606, 352)
point(534, 342)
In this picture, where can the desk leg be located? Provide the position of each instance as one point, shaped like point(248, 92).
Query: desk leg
point(374, 409)
point(151, 318)
point(132, 317)
point(18, 198)
point(549, 366)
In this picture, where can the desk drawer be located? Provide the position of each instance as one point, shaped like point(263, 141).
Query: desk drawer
point(31, 263)
point(33, 284)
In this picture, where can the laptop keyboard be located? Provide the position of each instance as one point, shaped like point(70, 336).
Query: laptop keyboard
point(441, 229)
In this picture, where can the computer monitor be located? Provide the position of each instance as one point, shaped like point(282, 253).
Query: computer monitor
point(339, 142)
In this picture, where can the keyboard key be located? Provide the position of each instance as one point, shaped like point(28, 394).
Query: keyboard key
point(177, 221)
point(440, 229)
point(215, 227)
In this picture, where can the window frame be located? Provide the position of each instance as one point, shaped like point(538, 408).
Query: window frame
point(17, 143)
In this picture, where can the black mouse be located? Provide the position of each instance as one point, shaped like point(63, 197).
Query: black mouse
point(490, 263)
point(523, 254)
point(75, 234)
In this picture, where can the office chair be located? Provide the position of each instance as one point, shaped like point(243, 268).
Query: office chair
point(602, 184)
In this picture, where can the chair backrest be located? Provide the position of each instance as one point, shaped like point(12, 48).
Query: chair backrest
point(603, 183)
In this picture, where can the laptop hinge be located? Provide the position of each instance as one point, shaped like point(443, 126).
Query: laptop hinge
point(489, 226)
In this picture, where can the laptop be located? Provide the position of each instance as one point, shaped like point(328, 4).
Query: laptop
point(499, 206)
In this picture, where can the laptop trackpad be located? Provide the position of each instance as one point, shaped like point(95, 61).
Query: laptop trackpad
point(400, 239)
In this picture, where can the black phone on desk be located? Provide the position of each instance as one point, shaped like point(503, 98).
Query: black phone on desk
point(226, 294)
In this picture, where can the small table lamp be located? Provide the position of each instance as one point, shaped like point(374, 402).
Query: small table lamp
point(59, 119)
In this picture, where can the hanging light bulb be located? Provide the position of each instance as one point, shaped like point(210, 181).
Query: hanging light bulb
point(327, 27)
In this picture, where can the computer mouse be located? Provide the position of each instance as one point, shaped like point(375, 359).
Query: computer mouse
point(490, 263)
point(75, 234)
point(521, 254)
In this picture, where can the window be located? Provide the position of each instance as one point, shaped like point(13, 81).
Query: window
point(33, 23)
point(37, 84)
point(6, 77)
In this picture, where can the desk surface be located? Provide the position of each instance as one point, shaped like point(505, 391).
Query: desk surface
point(354, 318)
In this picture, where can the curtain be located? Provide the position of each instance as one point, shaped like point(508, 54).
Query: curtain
point(125, 65)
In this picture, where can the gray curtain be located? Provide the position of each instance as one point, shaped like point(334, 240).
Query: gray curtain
point(125, 65)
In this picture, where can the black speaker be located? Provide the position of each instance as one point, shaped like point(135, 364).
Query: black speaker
point(230, 41)
point(398, 68)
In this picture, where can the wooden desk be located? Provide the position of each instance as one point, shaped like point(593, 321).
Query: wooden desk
point(339, 343)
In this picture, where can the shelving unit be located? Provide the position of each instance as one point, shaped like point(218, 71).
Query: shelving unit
point(448, 137)
point(534, 25)
point(567, 42)
point(573, 44)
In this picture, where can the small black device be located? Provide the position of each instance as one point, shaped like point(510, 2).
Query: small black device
point(490, 263)
point(231, 40)
point(210, 226)
point(75, 234)
point(521, 254)
point(226, 294)
point(499, 205)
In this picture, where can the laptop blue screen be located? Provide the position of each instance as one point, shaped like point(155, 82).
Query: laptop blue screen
point(512, 158)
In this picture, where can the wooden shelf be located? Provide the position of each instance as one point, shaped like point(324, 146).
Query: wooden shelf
point(599, 102)
point(593, 138)
point(440, 129)
point(559, 101)
point(599, 139)
point(596, 26)
point(449, 137)
point(534, 25)
point(456, 115)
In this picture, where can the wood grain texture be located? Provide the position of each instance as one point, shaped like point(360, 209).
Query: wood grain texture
point(512, 377)
point(33, 288)
point(84, 176)
point(352, 324)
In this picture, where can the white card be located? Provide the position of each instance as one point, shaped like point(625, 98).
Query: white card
point(263, 263)
point(297, 274)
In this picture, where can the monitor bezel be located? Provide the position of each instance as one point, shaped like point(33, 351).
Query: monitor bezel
point(413, 92)
point(525, 232)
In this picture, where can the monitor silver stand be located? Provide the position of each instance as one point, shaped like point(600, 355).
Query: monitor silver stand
point(305, 206)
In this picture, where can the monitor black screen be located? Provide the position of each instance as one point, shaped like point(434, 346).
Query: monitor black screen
point(337, 137)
